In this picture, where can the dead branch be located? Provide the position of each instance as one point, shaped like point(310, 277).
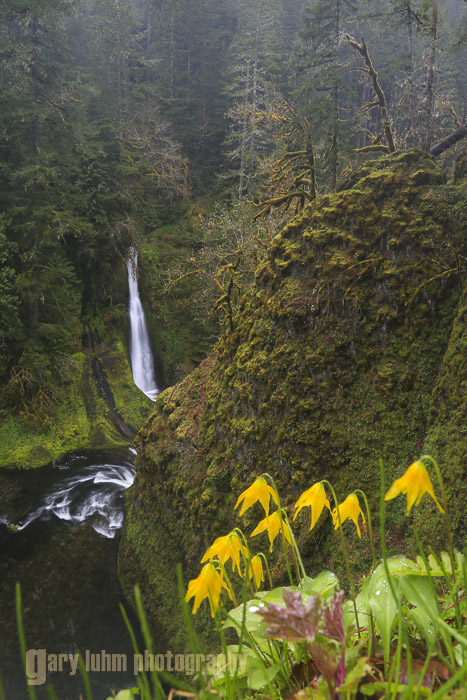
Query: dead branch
point(380, 99)
point(448, 141)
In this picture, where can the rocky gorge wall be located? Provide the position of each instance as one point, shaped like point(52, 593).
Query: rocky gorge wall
point(350, 347)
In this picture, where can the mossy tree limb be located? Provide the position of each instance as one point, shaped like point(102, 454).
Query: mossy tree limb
point(379, 101)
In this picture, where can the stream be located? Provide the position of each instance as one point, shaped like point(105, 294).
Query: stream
point(59, 531)
point(62, 548)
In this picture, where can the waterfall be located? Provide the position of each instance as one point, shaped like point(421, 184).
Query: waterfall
point(142, 364)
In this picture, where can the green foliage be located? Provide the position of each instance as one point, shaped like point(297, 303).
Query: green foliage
point(334, 356)
point(10, 324)
point(303, 641)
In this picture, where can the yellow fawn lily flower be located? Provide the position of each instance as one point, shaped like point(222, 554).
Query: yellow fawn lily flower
point(316, 498)
point(209, 584)
point(350, 508)
point(225, 548)
point(255, 570)
point(272, 524)
point(260, 491)
point(415, 483)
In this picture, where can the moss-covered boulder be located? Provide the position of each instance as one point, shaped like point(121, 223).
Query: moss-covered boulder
point(348, 349)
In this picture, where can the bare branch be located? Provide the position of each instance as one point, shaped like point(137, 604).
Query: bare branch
point(380, 99)
point(448, 141)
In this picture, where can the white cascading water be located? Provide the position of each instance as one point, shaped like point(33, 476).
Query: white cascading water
point(94, 494)
point(142, 364)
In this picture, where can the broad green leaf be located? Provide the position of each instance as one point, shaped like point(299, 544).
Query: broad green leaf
point(276, 595)
point(459, 653)
point(252, 623)
point(126, 694)
point(435, 567)
point(421, 565)
point(363, 607)
point(259, 675)
point(446, 560)
point(236, 661)
point(383, 606)
point(399, 565)
point(372, 688)
point(423, 623)
point(324, 584)
point(419, 591)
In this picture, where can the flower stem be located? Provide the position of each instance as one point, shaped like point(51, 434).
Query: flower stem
point(263, 557)
point(227, 580)
point(296, 554)
point(449, 534)
point(284, 542)
point(371, 635)
point(346, 556)
point(370, 527)
point(397, 657)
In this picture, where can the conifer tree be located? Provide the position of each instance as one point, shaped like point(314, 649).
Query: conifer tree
point(254, 76)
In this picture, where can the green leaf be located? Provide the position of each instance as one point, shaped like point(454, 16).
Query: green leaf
point(383, 606)
point(419, 591)
point(446, 561)
point(379, 687)
point(236, 661)
point(252, 623)
point(399, 565)
point(423, 623)
point(354, 676)
point(363, 607)
point(275, 596)
point(372, 688)
point(324, 584)
point(435, 567)
point(126, 694)
point(259, 675)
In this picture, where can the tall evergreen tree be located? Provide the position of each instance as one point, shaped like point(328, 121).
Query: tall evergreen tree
point(254, 77)
point(320, 79)
point(189, 47)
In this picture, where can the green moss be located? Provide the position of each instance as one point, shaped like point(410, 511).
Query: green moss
point(345, 351)
point(79, 416)
point(180, 341)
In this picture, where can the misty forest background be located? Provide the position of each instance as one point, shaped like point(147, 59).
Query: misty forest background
point(119, 118)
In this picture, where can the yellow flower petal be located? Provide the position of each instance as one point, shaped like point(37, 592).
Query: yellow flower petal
point(260, 491)
point(273, 526)
point(415, 483)
point(255, 570)
point(225, 548)
point(316, 498)
point(349, 509)
point(208, 584)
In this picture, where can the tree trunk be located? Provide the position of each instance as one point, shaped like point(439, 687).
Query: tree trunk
point(334, 152)
point(430, 76)
point(410, 88)
point(244, 132)
point(448, 141)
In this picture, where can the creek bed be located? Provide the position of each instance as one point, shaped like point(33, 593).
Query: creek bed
point(59, 532)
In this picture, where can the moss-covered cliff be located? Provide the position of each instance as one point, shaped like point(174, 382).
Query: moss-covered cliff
point(350, 347)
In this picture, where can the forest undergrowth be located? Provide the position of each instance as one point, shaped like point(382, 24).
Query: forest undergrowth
point(400, 631)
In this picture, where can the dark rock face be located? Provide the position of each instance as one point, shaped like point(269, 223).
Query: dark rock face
point(348, 349)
